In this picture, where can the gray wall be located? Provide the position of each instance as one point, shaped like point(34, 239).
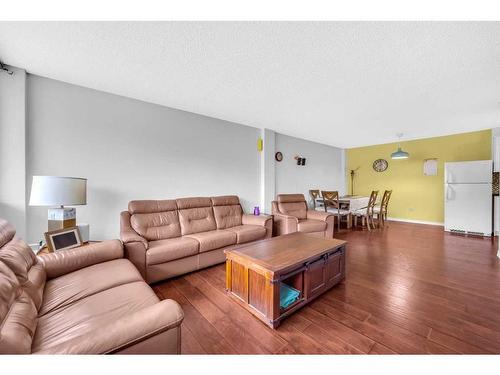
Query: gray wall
point(12, 148)
point(324, 169)
point(128, 149)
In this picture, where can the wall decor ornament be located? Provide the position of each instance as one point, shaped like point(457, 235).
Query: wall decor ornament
point(300, 160)
point(380, 165)
point(430, 167)
point(353, 174)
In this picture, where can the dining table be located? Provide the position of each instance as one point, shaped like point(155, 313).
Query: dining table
point(351, 203)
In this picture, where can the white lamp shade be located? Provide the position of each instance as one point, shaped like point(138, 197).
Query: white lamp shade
point(58, 191)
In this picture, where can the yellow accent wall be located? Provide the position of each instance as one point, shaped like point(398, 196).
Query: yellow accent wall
point(414, 196)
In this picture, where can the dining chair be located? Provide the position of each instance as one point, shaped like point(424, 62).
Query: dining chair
point(314, 195)
point(366, 213)
point(332, 205)
point(381, 211)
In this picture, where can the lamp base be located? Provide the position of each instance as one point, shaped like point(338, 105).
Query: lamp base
point(61, 218)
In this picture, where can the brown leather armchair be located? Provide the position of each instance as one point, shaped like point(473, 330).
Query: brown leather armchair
point(88, 300)
point(291, 214)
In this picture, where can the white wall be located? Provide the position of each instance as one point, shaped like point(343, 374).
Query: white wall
point(324, 169)
point(12, 148)
point(128, 149)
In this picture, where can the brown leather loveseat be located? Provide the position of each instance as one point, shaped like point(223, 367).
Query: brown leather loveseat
point(167, 238)
point(291, 214)
point(88, 300)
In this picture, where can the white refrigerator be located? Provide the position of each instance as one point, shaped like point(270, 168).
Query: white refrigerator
point(468, 197)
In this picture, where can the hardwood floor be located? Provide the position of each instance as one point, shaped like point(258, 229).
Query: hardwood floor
point(409, 289)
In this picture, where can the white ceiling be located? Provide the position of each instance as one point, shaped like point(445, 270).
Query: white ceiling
point(345, 84)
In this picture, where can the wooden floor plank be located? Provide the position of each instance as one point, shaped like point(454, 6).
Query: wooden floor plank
point(381, 349)
point(239, 339)
point(455, 344)
point(206, 335)
point(300, 342)
point(409, 288)
point(343, 333)
point(189, 344)
point(247, 322)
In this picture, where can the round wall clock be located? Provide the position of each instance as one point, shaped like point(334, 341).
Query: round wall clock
point(380, 165)
point(278, 156)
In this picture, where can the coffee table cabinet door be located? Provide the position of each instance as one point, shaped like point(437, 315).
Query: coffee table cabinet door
point(316, 278)
point(334, 268)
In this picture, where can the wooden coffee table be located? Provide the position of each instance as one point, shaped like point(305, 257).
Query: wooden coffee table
point(309, 264)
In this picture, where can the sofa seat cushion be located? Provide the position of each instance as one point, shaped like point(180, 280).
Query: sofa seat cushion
point(174, 248)
point(248, 233)
point(311, 225)
point(74, 286)
point(214, 239)
point(91, 313)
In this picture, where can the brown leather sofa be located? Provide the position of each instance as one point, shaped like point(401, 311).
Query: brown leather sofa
point(291, 214)
point(88, 300)
point(167, 238)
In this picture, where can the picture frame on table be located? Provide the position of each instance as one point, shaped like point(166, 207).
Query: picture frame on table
point(63, 239)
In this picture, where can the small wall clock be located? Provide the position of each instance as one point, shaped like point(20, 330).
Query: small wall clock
point(278, 156)
point(380, 165)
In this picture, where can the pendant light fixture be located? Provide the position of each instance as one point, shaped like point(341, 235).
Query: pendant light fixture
point(400, 154)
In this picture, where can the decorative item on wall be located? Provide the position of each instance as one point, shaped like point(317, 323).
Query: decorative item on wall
point(430, 167)
point(380, 165)
point(278, 156)
point(300, 160)
point(260, 144)
point(400, 154)
point(353, 174)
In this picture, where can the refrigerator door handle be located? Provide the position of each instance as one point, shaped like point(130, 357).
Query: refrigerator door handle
point(448, 195)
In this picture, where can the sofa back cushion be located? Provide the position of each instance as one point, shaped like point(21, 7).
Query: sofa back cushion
point(196, 215)
point(7, 232)
point(35, 284)
point(19, 257)
point(227, 211)
point(293, 205)
point(30, 274)
point(155, 219)
point(18, 315)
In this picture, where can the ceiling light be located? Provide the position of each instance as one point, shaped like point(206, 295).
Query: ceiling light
point(400, 154)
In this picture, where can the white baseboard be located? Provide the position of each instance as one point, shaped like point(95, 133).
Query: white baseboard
point(416, 221)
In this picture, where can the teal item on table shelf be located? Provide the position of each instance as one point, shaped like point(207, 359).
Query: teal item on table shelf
point(288, 295)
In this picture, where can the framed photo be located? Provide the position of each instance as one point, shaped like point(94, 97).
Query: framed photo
point(63, 239)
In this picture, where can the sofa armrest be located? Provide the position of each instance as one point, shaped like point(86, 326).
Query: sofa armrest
point(328, 217)
point(127, 331)
point(66, 261)
point(265, 221)
point(318, 215)
point(285, 224)
point(255, 219)
point(127, 233)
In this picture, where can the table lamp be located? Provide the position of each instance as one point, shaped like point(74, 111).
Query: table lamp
point(59, 191)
